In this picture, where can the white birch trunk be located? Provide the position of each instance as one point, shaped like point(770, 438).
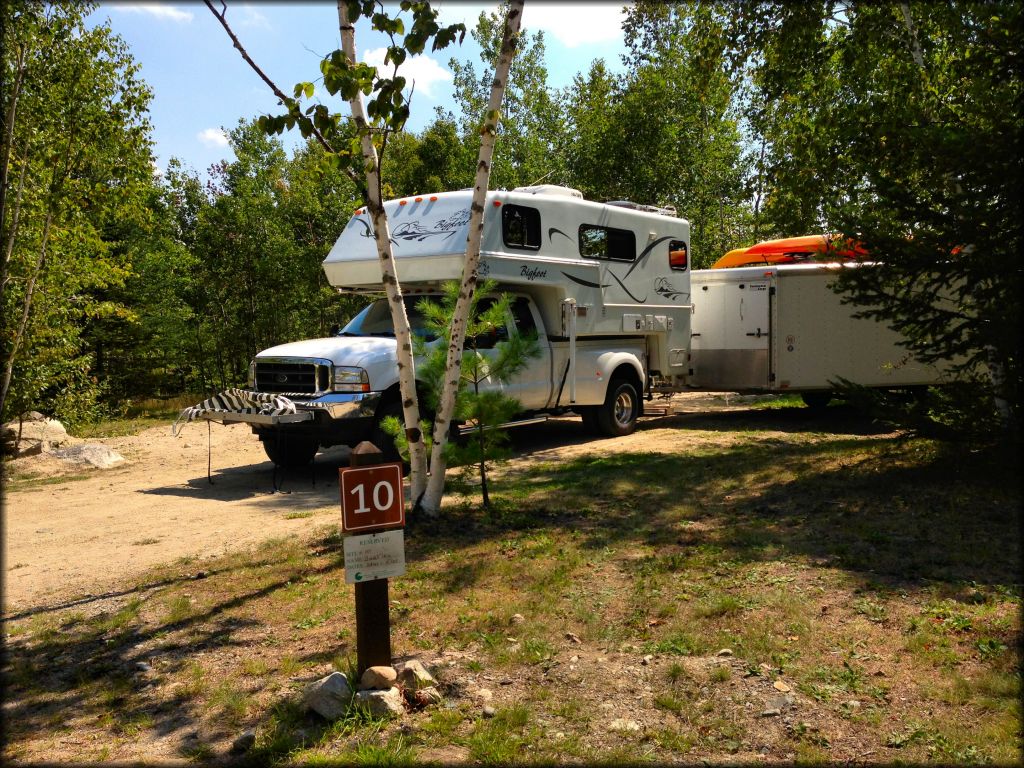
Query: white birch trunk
point(382, 234)
point(431, 501)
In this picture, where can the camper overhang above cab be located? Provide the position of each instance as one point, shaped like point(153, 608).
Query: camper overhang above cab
point(541, 235)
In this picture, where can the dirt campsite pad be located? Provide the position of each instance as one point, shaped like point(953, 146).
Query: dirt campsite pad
point(71, 529)
point(729, 584)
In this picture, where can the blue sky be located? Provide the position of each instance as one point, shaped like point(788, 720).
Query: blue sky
point(201, 84)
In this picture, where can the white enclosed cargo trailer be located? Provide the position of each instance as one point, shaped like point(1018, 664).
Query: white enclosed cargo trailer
point(783, 328)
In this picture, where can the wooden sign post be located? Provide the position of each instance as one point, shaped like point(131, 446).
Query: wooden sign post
point(372, 504)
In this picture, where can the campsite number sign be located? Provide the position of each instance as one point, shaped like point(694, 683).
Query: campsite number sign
point(371, 498)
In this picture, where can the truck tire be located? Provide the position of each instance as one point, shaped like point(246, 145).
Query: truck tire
point(617, 417)
point(290, 450)
point(816, 400)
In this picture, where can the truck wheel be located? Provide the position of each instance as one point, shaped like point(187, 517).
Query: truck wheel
point(290, 450)
point(816, 400)
point(621, 407)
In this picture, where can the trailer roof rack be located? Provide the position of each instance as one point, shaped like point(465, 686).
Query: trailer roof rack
point(666, 210)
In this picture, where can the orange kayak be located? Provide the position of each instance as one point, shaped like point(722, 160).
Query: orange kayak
point(788, 250)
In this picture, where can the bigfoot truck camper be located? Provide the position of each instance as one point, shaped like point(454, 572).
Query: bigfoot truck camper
point(604, 286)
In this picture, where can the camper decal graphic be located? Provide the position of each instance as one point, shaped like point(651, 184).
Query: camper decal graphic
point(645, 253)
point(557, 231)
point(664, 288)
point(628, 292)
point(416, 231)
point(581, 281)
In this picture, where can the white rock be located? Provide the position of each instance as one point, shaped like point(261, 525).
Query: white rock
point(621, 725)
point(381, 703)
point(329, 697)
point(518, 618)
point(412, 675)
point(378, 678)
point(483, 694)
point(93, 454)
point(724, 652)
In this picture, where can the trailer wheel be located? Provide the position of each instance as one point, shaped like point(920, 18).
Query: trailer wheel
point(290, 451)
point(621, 407)
point(816, 400)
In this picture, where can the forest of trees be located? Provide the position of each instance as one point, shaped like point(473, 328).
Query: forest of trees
point(895, 123)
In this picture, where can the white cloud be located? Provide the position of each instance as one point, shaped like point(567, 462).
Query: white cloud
point(576, 24)
point(422, 71)
point(254, 18)
point(156, 170)
point(213, 137)
point(157, 10)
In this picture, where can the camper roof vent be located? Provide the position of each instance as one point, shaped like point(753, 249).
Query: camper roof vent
point(550, 189)
point(667, 210)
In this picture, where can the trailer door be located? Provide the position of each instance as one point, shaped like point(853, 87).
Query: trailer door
point(748, 330)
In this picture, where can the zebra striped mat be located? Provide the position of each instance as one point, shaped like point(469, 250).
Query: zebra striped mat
point(235, 401)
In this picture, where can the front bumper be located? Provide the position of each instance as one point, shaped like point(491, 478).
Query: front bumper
point(342, 405)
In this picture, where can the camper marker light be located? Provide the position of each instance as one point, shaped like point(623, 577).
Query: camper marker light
point(497, 203)
point(349, 379)
point(403, 202)
point(419, 199)
point(433, 198)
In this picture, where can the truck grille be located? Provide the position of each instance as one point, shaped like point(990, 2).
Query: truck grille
point(296, 376)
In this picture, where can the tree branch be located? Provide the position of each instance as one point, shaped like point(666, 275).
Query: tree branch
point(321, 139)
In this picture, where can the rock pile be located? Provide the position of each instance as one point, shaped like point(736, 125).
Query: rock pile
point(38, 435)
point(35, 434)
point(382, 691)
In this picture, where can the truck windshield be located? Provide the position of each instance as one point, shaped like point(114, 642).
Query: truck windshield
point(375, 320)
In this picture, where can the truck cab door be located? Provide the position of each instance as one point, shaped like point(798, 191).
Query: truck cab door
point(532, 385)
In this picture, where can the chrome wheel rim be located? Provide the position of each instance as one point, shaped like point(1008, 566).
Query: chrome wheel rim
point(623, 408)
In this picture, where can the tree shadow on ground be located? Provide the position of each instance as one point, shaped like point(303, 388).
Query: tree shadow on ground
point(102, 668)
point(855, 504)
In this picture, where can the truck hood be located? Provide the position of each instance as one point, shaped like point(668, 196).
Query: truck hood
point(359, 351)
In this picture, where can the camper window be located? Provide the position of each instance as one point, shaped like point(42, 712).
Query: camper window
point(520, 227)
point(677, 256)
point(607, 243)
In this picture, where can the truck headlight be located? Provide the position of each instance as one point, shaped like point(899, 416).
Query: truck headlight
point(350, 380)
point(251, 380)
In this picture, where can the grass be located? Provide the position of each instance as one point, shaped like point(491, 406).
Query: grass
point(138, 416)
point(875, 576)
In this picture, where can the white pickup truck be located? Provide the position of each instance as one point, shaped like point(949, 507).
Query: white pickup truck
point(349, 382)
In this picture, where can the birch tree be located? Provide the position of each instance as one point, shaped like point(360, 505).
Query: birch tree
point(431, 501)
